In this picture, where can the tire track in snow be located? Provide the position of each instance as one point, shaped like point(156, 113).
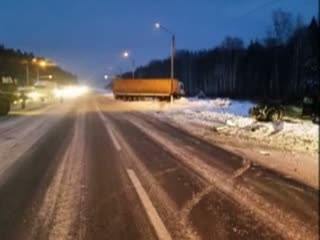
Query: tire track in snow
point(283, 223)
point(61, 204)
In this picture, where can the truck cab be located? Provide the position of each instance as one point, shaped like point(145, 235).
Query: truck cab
point(181, 89)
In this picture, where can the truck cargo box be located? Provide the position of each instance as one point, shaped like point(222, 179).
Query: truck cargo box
point(153, 87)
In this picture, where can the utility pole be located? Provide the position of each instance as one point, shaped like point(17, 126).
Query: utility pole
point(173, 43)
point(172, 63)
point(38, 74)
point(133, 68)
point(27, 74)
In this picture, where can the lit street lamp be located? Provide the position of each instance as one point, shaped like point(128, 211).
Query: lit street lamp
point(46, 76)
point(159, 26)
point(127, 55)
point(42, 64)
point(38, 63)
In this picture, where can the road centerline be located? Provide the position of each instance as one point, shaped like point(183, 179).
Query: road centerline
point(109, 130)
point(152, 213)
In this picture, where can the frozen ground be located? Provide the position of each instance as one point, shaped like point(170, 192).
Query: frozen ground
point(230, 117)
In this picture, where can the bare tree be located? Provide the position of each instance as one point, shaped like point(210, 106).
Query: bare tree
point(232, 43)
point(283, 26)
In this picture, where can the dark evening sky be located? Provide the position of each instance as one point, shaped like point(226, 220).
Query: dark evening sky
point(87, 37)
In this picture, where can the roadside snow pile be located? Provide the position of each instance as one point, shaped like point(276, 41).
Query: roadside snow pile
point(212, 112)
point(231, 118)
point(203, 103)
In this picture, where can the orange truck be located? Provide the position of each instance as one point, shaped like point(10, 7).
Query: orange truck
point(134, 89)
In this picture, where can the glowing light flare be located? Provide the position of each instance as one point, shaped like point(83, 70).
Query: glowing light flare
point(125, 54)
point(43, 64)
point(71, 91)
point(34, 95)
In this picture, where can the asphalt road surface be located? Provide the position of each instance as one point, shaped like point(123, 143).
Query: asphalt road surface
point(96, 169)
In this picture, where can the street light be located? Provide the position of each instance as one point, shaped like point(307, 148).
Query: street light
point(46, 76)
point(127, 55)
point(159, 26)
point(42, 64)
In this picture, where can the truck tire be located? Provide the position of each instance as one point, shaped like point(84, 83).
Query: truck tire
point(4, 107)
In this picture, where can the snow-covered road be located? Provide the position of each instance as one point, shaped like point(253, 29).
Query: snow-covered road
point(22, 129)
point(290, 147)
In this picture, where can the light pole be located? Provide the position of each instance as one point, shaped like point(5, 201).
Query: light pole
point(27, 74)
point(173, 40)
point(41, 64)
point(27, 69)
point(127, 55)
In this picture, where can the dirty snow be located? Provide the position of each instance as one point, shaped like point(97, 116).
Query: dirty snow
point(230, 117)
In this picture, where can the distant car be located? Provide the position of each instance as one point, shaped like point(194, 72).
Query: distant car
point(44, 90)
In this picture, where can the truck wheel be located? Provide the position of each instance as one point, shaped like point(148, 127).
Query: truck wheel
point(274, 115)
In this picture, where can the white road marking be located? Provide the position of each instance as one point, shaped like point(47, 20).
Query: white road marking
point(110, 132)
point(114, 139)
point(153, 216)
point(100, 113)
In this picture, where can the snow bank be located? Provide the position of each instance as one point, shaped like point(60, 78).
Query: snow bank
point(104, 92)
point(231, 117)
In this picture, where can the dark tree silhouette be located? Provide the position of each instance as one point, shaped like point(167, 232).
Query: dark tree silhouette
point(13, 64)
point(282, 66)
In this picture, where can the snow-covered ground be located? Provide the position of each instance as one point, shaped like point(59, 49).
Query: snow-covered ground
point(230, 117)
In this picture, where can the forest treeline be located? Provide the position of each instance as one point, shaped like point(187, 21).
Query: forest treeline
point(15, 64)
point(284, 65)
